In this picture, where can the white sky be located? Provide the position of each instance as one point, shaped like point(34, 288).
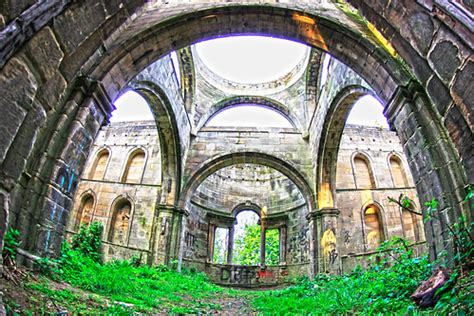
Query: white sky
point(131, 107)
point(249, 116)
point(249, 59)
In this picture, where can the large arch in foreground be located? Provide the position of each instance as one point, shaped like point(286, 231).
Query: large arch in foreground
point(61, 94)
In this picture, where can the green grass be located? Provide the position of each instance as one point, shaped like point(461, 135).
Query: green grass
point(148, 288)
point(384, 288)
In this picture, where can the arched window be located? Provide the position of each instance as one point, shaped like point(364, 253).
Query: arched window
point(373, 226)
point(100, 165)
point(246, 248)
point(118, 232)
point(84, 213)
point(398, 173)
point(363, 173)
point(134, 168)
point(249, 115)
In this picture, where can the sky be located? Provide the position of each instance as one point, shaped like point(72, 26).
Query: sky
point(249, 59)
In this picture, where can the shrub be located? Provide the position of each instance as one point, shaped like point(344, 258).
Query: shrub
point(88, 241)
point(11, 243)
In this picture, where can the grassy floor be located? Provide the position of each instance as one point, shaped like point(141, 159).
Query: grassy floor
point(78, 284)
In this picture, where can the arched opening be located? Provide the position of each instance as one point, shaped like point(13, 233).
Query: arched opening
point(134, 168)
point(266, 58)
point(100, 165)
point(367, 111)
point(363, 174)
point(85, 211)
point(246, 249)
point(120, 221)
point(373, 226)
point(399, 176)
point(249, 115)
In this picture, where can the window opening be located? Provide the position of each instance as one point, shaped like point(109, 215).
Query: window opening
point(398, 173)
point(120, 222)
point(246, 250)
point(272, 247)
point(221, 241)
point(373, 226)
point(363, 173)
point(249, 115)
point(134, 170)
point(100, 165)
point(84, 214)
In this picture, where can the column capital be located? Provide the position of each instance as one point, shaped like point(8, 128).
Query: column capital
point(324, 212)
point(172, 209)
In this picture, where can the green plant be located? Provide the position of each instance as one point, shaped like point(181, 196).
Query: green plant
point(11, 243)
point(88, 241)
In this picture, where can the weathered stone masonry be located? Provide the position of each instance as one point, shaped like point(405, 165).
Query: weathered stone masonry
point(63, 62)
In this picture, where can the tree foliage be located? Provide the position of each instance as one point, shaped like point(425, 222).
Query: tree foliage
point(247, 246)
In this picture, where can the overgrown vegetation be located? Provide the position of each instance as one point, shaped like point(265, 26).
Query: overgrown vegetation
point(11, 242)
point(382, 288)
point(127, 286)
point(247, 246)
point(127, 281)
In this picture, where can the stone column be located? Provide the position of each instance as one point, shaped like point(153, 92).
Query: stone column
point(263, 232)
point(167, 233)
point(211, 239)
point(230, 245)
point(313, 243)
point(282, 245)
point(329, 258)
point(324, 250)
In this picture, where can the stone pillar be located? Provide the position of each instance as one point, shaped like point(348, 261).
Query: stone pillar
point(263, 232)
point(329, 258)
point(313, 243)
point(283, 245)
point(167, 233)
point(434, 164)
point(211, 239)
point(230, 245)
point(324, 250)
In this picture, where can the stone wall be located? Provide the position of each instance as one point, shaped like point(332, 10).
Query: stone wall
point(121, 140)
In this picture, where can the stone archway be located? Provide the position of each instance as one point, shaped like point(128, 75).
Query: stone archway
point(244, 100)
point(226, 160)
point(54, 103)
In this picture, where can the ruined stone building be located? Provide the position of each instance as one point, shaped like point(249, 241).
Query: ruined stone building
point(171, 190)
point(121, 184)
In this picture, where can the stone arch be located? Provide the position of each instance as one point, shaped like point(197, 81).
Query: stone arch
point(217, 163)
point(98, 162)
point(361, 160)
point(170, 143)
point(331, 138)
point(86, 197)
point(129, 44)
point(246, 206)
point(131, 157)
point(373, 224)
point(397, 170)
point(121, 215)
point(243, 100)
point(188, 76)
